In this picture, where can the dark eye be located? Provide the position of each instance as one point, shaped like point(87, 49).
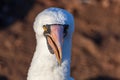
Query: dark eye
point(65, 30)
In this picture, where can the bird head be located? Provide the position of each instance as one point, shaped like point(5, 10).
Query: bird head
point(56, 25)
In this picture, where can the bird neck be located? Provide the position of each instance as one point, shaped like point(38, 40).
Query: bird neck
point(44, 65)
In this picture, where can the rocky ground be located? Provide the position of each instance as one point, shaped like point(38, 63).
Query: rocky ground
point(96, 41)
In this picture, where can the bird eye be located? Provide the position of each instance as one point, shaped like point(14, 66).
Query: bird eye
point(65, 30)
point(45, 28)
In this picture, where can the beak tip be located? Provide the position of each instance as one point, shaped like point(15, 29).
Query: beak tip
point(59, 63)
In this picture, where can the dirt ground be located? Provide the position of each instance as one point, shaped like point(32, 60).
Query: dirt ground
point(96, 40)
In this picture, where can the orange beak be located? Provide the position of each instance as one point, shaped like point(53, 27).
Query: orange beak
point(55, 41)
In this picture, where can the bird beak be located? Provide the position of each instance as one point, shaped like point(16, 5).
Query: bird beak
point(55, 41)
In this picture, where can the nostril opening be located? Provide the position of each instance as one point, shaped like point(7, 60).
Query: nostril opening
point(3, 77)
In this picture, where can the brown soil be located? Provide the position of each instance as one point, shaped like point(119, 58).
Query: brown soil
point(96, 41)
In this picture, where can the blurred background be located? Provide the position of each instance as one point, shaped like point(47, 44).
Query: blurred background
point(96, 40)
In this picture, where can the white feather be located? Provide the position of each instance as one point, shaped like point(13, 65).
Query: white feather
point(44, 65)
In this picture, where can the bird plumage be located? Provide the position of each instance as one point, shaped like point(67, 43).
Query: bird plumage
point(44, 65)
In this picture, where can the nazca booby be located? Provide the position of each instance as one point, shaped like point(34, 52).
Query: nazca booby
point(52, 57)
